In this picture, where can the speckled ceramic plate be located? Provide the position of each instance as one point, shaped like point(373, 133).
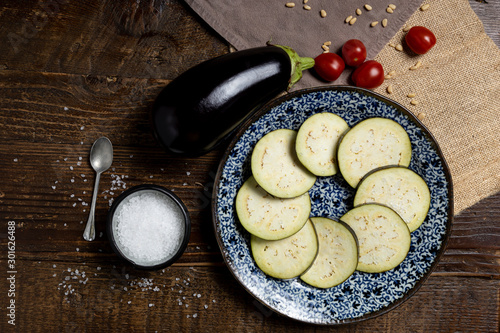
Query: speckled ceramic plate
point(363, 295)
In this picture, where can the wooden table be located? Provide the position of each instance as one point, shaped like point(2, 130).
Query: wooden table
point(72, 71)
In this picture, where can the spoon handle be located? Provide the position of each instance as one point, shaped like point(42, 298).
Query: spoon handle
point(89, 233)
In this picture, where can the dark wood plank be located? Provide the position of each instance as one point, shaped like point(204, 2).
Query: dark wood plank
point(85, 69)
point(488, 12)
point(142, 39)
point(94, 297)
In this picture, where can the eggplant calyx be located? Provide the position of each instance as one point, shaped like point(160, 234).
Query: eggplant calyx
point(299, 64)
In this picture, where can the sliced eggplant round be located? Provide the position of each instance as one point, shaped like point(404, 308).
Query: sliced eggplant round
point(276, 167)
point(289, 257)
point(383, 237)
point(400, 189)
point(371, 144)
point(317, 141)
point(268, 217)
point(337, 256)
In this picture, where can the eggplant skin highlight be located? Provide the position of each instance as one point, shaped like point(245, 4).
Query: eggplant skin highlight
point(205, 104)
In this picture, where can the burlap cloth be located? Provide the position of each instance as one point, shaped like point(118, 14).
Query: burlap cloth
point(457, 86)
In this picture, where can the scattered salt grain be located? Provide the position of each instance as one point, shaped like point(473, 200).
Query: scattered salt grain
point(98, 268)
point(149, 228)
point(82, 128)
point(77, 250)
point(188, 173)
point(53, 187)
point(151, 305)
point(71, 168)
point(66, 108)
point(15, 160)
point(195, 315)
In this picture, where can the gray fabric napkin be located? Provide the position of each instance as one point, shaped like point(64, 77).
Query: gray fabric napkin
point(251, 23)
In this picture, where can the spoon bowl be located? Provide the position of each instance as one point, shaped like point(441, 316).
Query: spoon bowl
point(101, 158)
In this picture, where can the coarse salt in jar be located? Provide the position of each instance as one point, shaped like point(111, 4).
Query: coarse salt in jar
point(149, 226)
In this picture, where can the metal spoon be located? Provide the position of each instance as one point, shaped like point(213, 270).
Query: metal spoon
point(101, 157)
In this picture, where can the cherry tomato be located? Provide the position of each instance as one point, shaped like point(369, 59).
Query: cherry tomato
point(369, 75)
point(354, 52)
point(329, 66)
point(420, 39)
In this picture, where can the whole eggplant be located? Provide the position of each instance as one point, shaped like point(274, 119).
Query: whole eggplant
point(202, 106)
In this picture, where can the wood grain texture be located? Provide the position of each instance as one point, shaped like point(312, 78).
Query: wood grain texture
point(72, 71)
point(488, 11)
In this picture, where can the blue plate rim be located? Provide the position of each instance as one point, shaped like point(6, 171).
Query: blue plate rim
point(237, 133)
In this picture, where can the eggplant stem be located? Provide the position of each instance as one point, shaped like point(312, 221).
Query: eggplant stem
point(299, 64)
